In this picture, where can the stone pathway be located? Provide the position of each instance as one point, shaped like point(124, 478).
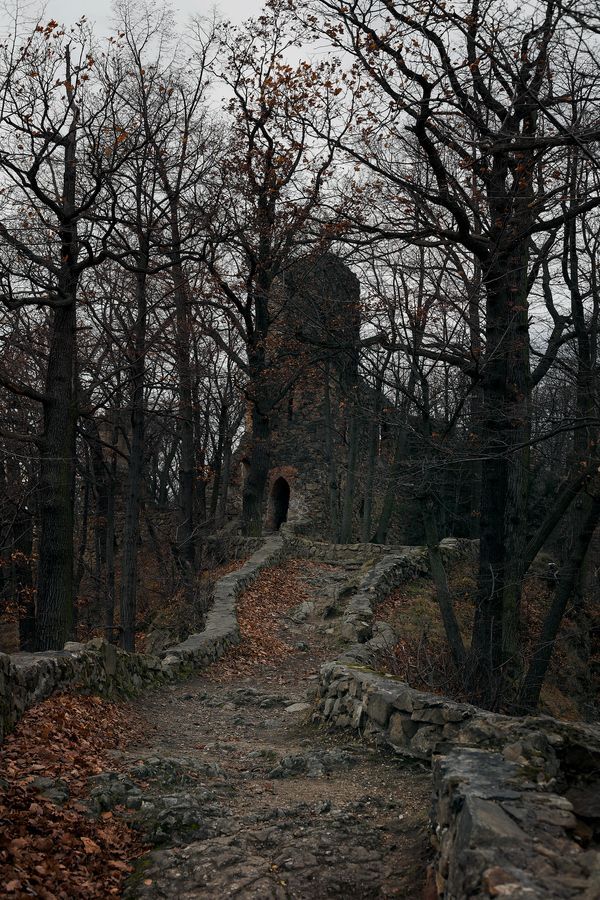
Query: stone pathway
point(241, 796)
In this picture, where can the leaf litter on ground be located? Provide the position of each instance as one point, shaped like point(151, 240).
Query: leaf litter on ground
point(62, 851)
point(275, 590)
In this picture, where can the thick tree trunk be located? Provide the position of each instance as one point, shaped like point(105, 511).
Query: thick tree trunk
point(136, 463)
point(54, 620)
point(519, 422)
point(495, 647)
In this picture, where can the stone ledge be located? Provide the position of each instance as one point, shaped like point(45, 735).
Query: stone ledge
point(499, 834)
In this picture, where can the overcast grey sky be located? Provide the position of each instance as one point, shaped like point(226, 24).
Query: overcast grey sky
point(99, 11)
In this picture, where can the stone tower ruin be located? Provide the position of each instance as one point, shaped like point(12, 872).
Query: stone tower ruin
point(325, 408)
point(314, 337)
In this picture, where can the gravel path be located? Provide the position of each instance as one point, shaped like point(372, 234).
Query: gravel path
point(242, 796)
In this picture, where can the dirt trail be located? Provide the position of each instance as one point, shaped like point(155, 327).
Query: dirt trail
point(242, 796)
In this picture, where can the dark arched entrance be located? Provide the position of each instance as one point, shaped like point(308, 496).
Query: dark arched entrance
point(279, 502)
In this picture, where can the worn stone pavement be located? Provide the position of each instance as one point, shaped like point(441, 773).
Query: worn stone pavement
point(240, 795)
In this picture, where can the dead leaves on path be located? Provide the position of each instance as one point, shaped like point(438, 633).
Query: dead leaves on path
point(53, 851)
point(275, 590)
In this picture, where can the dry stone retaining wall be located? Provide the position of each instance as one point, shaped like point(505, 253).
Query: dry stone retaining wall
point(299, 544)
point(27, 678)
point(397, 566)
point(501, 823)
point(498, 833)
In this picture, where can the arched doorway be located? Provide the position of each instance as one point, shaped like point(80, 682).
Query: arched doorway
point(279, 502)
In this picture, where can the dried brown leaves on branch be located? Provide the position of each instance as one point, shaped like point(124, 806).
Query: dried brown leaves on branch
point(53, 851)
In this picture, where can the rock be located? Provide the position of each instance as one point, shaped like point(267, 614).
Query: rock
point(302, 612)
point(53, 789)
point(270, 702)
point(298, 707)
point(401, 730)
point(169, 770)
point(330, 611)
point(313, 765)
point(379, 706)
point(159, 639)
point(585, 799)
point(111, 789)
point(425, 741)
point(487, 822)
point(324, 807)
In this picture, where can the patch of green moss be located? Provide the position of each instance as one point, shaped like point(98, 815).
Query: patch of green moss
point(139, 872)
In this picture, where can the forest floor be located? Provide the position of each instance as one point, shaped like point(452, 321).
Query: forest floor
point(226, 789)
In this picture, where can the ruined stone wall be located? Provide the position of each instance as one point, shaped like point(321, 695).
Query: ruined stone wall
point(499, 833)
point(99, 667)
point(509, 794)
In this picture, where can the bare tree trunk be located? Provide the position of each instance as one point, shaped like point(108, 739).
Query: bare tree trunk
point(391, 492)
point(136, 461)
point(350, 485)
point(54, 619)
point(187, 464)
point(255, 483)
point(218, 459)
point(332, 473)
point(57, 470)
point(257, 473)
point(532, 684)
point(225, 479)
point(438, 573)
point(372, 445)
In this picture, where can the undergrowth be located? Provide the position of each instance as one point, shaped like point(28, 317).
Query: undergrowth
point(422, 657)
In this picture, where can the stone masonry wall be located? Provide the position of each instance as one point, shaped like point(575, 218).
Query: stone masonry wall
point(501, 824)
point(500, 834)
point(28, 678)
